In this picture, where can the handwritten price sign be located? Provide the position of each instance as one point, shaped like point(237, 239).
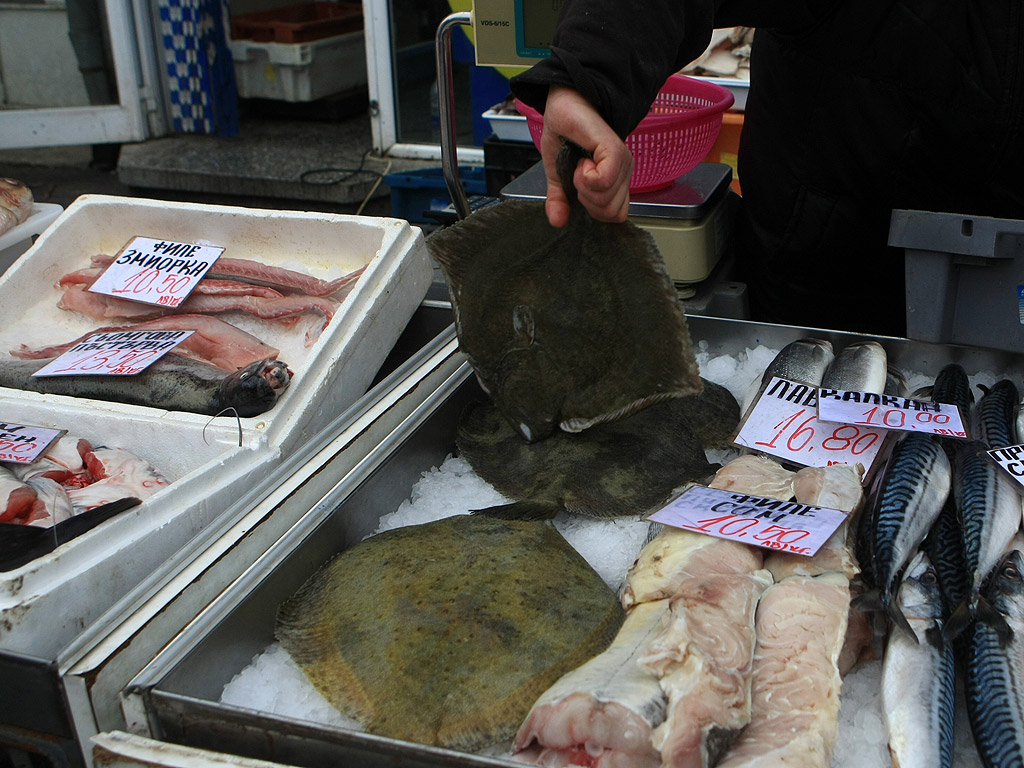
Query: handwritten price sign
point(24, 444)
point(784, 526)
point(121, 353)
point(154, 271)
point(887, 412)
point(1011, 460)
point(784, 423)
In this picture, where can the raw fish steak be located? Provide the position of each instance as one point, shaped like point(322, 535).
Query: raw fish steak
point(446, 633)
point(565, 327)
point(622, 467)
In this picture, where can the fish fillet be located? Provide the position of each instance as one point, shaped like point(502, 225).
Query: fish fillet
point(675, 555)
point(604, 711)
point(801, 622)
point(755, 474)
point(703, 660)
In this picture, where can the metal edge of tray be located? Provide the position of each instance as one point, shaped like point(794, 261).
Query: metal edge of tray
point(96, 666)
point(174, 716)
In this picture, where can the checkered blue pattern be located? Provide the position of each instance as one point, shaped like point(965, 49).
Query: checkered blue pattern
point(200, 73)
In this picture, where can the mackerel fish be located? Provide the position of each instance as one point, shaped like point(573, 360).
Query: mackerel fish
point(994, 418)
point(994, 681)
point(918, 678)
point(904, 502)
point(989, 510)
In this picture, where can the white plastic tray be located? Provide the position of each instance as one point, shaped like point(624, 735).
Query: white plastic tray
point(15, 241)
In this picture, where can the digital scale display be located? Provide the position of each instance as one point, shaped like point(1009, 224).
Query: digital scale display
point(514, 33)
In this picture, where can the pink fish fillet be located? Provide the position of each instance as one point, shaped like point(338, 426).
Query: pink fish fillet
point(256, 273)
point(214, 341)
point(119, 474)
point(102, 307)
point(18, 499)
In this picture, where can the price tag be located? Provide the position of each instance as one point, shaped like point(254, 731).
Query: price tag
point(785, 526)
point(784, 422)
point(1011, 460)
point(888, 412)
point(156, 271)
point(121, 353)
point(24, 444)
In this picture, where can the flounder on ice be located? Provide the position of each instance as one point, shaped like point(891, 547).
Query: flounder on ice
point(446, 633)
point(565, 327)
point(622, 467)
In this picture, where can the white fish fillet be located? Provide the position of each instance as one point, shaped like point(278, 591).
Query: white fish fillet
point(838, 486)
point(755, 474)
point(801, 623)
point(703, 660)
point(675, 555)
point(605, 709)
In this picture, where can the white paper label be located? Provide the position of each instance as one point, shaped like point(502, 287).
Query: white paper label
point(121, 353)
point(156, 271)
point(785, 526)
point(888, 412)
point(23, 444)
point(784, 422)
point(1011, 460)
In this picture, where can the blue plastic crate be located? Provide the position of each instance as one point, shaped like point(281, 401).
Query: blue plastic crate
point(414, 192)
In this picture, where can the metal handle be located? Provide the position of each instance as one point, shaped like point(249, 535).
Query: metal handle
point(446, 109)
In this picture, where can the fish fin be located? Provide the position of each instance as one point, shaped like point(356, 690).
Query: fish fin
point(960, 619)
point(898, 619)
point(527, 509)
point(988, 614)
point(867, 602)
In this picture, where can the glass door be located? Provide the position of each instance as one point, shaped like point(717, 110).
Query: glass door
point(77, 72)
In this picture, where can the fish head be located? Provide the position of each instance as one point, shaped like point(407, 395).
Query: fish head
point(255, 388)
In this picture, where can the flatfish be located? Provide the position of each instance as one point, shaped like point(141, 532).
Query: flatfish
point(567, 327)
point(622, 467)
point(446, 633)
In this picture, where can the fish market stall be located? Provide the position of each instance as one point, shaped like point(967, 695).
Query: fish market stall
point(181, 698)
point(326, 350)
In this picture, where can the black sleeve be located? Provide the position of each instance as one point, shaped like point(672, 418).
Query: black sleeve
point(618, 53)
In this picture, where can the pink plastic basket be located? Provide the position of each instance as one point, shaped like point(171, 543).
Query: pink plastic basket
point(676, 134)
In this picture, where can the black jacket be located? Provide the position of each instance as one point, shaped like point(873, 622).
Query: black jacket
point(854, 109)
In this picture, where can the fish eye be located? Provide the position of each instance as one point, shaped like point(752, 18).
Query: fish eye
point(245, 375)
point(1011, 572)
point(929, 578)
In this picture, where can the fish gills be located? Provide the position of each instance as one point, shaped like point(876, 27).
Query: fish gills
point(918, 677)
point(994, 683)
point(446, 633)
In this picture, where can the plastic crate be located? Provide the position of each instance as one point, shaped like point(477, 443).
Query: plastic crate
point(505, 160)
point(414, 193)
point(298, 23)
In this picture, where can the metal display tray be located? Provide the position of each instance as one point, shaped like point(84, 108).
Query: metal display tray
point(180, 689)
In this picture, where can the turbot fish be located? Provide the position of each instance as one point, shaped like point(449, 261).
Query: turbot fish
point(623, 467)
point(173, 382)
point(446, 633)
point(904, 502)
point(567, 327)
point(918, 679)
point(994, 683)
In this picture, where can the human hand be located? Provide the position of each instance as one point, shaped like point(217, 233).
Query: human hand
point(602, 183)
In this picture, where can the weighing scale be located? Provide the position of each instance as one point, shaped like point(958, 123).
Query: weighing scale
point(690, 219)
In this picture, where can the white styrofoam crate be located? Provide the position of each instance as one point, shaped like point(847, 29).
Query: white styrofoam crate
point(45, 602)
point(299, 71)
point(508, 127)
point(15, 241)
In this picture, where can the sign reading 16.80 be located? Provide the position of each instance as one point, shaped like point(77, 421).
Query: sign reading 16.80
point(155, 271)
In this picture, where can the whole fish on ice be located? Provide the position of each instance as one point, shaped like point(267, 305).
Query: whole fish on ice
point(446, 633)
point(565, 328)
point(994, 418)
point(859, 367)
point(804, 360)
point(173, 382)
point(918, 675)
point(617, 468)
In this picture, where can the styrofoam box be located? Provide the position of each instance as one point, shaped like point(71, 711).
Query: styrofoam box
point(200, 455)
point(299, 71)
point(15, 241)
point(508, 127)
